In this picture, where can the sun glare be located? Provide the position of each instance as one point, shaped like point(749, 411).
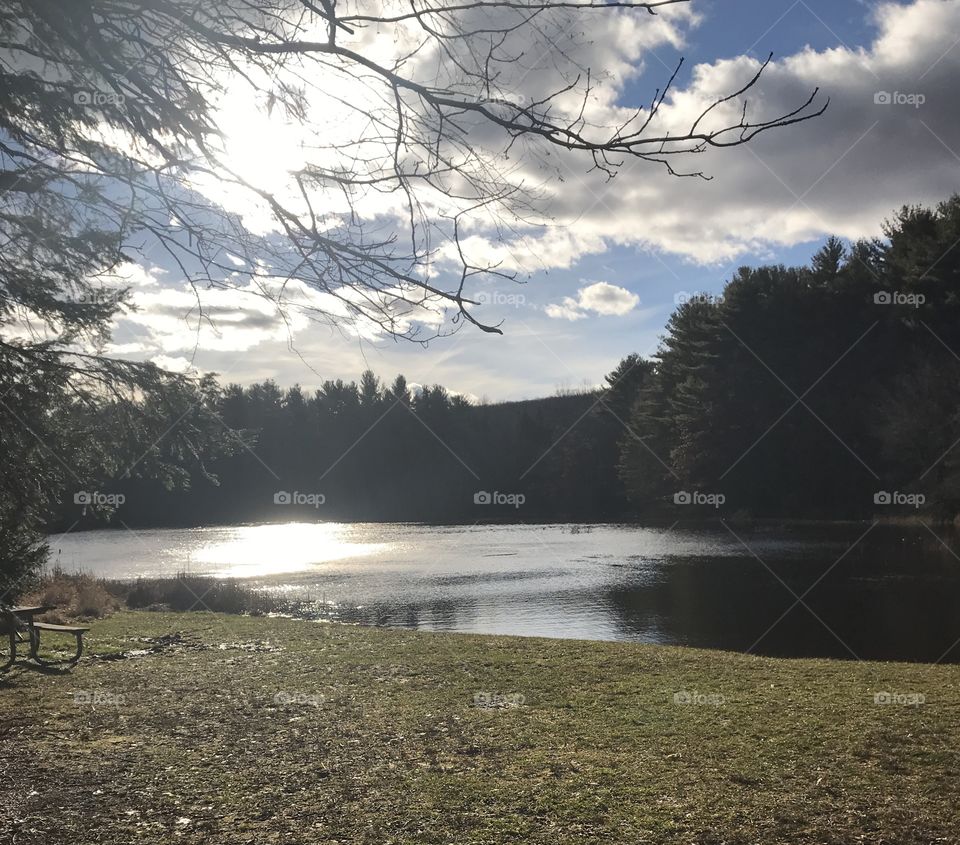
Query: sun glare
point(262, 550)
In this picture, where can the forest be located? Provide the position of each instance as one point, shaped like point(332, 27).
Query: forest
point(827, 391)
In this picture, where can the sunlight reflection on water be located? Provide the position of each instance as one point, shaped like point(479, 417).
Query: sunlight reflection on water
point(260, 551)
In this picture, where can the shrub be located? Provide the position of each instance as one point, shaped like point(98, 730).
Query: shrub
point(73, 596)
point(196, 592)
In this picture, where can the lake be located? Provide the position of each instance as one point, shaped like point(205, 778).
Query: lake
point(851, 591)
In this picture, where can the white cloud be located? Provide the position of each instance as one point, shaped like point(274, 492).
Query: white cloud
point(600, 298)
point(174, 320)
point(841, 173)
point(608, 299)
point(569, 309)
point(170, 322)
point(350, 122)
point(177, 364)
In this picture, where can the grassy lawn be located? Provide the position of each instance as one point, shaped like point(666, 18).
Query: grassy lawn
point(245, 730)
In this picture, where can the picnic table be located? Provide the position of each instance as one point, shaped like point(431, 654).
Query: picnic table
point(18, 617)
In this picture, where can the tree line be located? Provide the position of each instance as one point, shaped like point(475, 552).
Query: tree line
point(371, 451)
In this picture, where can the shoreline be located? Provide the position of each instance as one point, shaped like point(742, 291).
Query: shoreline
point(86, 599)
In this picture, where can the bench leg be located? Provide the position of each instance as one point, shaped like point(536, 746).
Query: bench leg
point(35, 645)
point(13, 650)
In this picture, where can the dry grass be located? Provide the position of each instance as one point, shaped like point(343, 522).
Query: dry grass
point(195, 592)
point(231, 729)
point(79, 596)
point(75, 596)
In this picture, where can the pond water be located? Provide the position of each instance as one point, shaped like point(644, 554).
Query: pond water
point(851, 591)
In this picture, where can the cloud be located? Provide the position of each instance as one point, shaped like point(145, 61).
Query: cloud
point(600, 298)
point(174, 365)
point(350, 123)
point(171, 321)
point(566, 310)
point(607, 299)
point(841, 173)
point(174, 321)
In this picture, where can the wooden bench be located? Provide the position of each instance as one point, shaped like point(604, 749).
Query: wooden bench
point(17, 621)
point(36, 627)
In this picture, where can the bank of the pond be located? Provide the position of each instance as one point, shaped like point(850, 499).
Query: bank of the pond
point(228, 729)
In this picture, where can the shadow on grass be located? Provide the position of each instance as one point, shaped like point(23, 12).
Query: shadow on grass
point(42, 667)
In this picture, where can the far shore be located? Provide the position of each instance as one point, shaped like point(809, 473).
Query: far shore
point(906, 521)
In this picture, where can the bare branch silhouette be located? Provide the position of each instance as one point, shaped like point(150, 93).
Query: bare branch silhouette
point(412, 115)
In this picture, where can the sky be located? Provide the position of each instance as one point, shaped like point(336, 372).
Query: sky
point(602, 283)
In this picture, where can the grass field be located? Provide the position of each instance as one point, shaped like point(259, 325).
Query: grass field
point(253, 730)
